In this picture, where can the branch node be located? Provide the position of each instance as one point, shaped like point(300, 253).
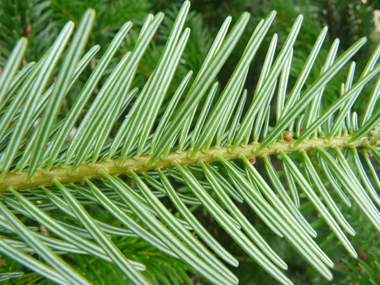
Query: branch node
point(288, 136)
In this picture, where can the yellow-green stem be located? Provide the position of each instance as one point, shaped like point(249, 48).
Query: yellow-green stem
point(85, 170)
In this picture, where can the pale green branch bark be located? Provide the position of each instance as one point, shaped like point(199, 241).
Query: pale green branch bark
point(17, 180)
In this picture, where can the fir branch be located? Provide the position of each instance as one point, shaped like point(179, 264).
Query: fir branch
point(45, 168)
point(18, 181)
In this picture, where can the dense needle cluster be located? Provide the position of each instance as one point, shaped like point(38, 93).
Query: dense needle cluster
point(41, 171)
